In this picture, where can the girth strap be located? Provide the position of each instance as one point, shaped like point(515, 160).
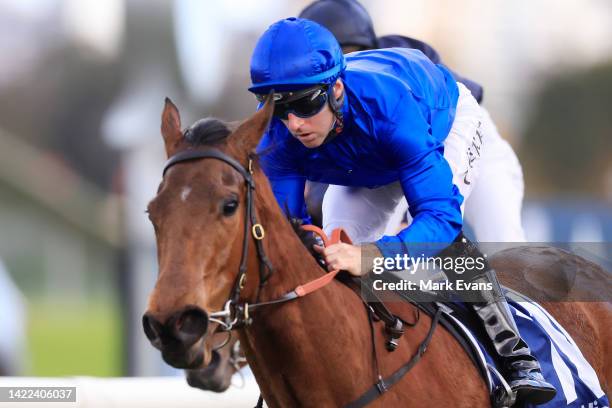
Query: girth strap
point(394, 325)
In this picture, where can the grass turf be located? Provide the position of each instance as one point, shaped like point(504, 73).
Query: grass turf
point(74, 339)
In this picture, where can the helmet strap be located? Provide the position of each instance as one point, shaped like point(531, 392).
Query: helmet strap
point(336, 108)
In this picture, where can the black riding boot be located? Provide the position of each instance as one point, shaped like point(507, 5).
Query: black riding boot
point(522, 369)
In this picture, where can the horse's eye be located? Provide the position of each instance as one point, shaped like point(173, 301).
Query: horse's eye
point(230, 206)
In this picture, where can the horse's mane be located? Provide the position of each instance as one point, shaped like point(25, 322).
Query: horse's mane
point(208, 131)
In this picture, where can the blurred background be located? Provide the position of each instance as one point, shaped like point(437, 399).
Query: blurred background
point(82, 84)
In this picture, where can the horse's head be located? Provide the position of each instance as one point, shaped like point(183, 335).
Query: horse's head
point(199, 216)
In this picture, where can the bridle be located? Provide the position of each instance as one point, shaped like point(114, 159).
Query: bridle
point(237, 314)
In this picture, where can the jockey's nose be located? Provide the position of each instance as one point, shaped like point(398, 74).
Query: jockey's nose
point(294, 122)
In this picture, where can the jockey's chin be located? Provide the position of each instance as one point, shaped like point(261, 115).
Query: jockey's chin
point(312, 131)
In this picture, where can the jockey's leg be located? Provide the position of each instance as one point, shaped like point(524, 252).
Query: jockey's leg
point(398, 216)
point(363, 212)
point(493, 209)
point(464, 148)
point(522, 369)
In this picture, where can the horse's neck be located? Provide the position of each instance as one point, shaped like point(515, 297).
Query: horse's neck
point(292, 262)
point(288, 337)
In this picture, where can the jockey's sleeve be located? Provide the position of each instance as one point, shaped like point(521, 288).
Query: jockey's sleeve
point(427, 181)
point(289, 193)
point(285, 177)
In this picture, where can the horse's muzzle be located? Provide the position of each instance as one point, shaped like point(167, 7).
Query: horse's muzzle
point(179, 338)
point(216, 376)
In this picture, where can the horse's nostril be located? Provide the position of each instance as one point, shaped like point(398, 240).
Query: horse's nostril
point(191, 325)
point(152, 328)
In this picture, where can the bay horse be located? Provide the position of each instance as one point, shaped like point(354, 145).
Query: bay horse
point(518, 271)
point(312, 351)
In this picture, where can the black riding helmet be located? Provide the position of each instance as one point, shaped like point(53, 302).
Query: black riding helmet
point(348, 21)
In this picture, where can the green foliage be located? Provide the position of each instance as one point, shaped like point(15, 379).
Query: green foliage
point(567, 144)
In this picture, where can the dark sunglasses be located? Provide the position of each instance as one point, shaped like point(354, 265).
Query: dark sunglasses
point(303, 104)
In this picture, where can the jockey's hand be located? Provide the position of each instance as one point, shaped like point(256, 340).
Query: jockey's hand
point(341, 256)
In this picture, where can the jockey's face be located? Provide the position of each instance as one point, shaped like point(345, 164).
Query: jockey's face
point(312, 131)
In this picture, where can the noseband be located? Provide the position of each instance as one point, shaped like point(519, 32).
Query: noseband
point(233, 305)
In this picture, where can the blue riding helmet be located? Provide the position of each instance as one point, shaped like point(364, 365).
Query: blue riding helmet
point(294, 54)
point(348, 20)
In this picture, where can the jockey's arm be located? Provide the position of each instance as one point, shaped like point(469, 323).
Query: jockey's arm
point(289, 193)
point(427, 181)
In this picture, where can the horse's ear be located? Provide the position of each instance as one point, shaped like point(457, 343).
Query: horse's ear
point(251, 130)
point(171, 127)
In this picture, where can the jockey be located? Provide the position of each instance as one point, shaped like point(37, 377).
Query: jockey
point(378, 126)
point(493, 209)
